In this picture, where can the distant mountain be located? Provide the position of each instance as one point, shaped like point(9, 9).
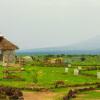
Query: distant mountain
point(91, 46)
point(45, 51)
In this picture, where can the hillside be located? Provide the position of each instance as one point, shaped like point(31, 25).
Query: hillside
point(90, 46)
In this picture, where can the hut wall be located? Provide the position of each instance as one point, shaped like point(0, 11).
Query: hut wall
point(1, 57)
point(8, 57)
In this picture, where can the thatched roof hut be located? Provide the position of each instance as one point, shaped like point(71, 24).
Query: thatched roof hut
point(7, 49)
point(6, 45)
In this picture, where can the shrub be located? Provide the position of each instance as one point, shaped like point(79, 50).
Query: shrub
point(59, 83)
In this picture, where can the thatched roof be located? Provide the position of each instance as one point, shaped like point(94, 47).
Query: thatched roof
point(6, 45)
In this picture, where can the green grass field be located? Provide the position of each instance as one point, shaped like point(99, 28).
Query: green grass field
point(92, 72)
point(46, 77)
point(89, 95)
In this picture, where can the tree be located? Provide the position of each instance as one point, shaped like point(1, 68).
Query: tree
point(82, 59)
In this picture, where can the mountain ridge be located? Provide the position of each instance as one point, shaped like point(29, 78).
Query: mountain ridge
point(90, 46)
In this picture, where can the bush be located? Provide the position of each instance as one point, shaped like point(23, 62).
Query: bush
point(11, 93)
point(59, 84)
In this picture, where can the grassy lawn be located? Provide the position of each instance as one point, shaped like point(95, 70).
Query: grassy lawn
point(46, 77)
point(50, 75)
point(89, 95)
point(92, 72)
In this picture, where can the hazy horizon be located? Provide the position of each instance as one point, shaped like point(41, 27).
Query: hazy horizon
point(49, 23)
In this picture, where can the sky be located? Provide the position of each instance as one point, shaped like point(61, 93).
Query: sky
point(48, 23)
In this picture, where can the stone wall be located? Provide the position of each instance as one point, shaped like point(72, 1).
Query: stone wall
point(8, 57)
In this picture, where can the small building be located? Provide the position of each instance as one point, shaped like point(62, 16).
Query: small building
point(7, 51)
point(55, 60)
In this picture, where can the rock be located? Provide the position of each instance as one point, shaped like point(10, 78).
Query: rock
point(76, 72)
point(98, 75)
point(66, 70)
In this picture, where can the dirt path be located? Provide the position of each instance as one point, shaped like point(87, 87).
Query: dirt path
point(40, 95)
point(97, 90)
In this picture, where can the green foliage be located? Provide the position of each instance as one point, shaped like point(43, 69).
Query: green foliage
point(34, 76)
